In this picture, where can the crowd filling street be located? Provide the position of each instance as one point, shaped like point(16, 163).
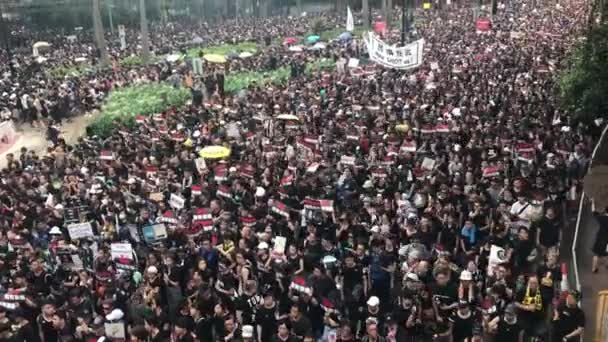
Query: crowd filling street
point(353, 203)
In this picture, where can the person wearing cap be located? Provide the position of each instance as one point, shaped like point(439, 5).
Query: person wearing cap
point(371, 312)
point(466, 289)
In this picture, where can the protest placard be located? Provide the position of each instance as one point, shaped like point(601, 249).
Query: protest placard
point(176, 201)
point(80, 230)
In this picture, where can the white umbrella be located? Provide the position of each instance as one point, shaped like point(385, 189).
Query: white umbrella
point(173, 57)
point(296, 49)
point(245, 54)
point(319, 46)
point(39, 45)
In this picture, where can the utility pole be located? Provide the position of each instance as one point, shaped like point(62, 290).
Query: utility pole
point(109, 5)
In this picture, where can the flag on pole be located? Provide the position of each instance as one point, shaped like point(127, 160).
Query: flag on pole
point(350, 22)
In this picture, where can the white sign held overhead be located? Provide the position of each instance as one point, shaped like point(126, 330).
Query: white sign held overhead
point(176, 201)
point(350, 22)
point(392, 56)
point(80, 230)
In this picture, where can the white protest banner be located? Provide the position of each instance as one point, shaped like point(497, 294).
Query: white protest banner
point(80, 230)
point(392, 56)
point(347, 160)
point(176, 201)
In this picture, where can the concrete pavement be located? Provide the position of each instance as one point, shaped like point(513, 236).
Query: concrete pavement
point(591, 283)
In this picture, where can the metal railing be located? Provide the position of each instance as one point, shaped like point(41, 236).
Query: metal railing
point(582, 209)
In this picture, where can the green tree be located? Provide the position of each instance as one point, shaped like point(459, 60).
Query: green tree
point(584, 83)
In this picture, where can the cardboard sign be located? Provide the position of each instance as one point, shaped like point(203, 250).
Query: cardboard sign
point(156, 196)
point(80, 230)
point(155, 232)
point(353, 62)
point(176, 201)
point(121, 250)
point(122, 255)
point(426, 5)
point(483, 25)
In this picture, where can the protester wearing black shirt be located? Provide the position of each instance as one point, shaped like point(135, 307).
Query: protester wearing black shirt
point(463, 322)
point(568, 321)
point(505, 327)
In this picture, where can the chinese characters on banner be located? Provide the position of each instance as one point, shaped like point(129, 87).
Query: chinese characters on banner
point(392, 56)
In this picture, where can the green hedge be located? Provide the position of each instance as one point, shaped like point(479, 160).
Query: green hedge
point(224, 49)
point(123, 105)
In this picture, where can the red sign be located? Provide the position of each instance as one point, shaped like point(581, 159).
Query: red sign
point(379, 26)
point(483, 25)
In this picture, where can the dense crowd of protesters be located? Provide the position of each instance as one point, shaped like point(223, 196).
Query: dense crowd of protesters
point(425, 205)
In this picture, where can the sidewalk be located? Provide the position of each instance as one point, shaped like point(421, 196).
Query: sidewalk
point(35, 138)
point(591, 283)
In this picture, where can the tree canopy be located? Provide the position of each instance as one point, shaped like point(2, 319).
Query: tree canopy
point(584, 83)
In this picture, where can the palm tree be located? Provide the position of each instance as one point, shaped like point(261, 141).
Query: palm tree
point(99, 35)
point(145, 39)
